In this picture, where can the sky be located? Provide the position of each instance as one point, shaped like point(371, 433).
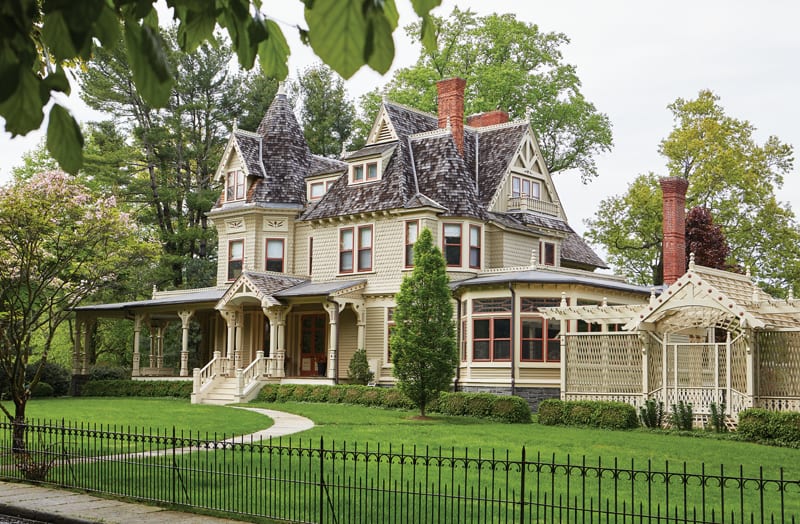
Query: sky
point(633, 59)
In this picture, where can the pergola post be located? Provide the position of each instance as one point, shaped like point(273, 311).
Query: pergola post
point(137, 338)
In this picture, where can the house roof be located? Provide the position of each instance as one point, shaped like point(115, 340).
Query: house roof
point(548, 276)
point(165, 298)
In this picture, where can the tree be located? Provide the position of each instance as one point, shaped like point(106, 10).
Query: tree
point(58, 245)
point(423, 341)
point(732, 176)
point(510, 65)
point(41, 39)
point(706, 240)
point(326, 113)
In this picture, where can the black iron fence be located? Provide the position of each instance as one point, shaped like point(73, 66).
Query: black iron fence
point(306, 481)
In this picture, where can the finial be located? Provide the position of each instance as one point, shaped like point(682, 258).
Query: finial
point(448, 124)
point(790, 300)
point(155, 290)
point(755, 292)
point(528, 113)
point(235, 123)
point(281, 88)
point(747, 272)
point(652, 296)
point(344, 150)
point(691, 261)
point(605, 301)
point(563, 299)
point(385, 93)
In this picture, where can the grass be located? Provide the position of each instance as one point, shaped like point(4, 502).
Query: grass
point(145, 413)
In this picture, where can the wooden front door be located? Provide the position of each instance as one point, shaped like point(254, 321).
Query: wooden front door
point(313, 358)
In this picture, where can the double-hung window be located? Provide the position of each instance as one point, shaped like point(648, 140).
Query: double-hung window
point(412, 231)
point(522, 187)
point(475, 247)
point(235, 258)
point(491, 329)
point(452, 244)
point(540, 338)
point(234, 186)
point(275, 255)
point(355, 249)
point(547, 253)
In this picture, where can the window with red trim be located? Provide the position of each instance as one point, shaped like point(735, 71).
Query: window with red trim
point(274, 255)
point(452, 244)
point(475, 247)
point(547, 253)
point(365, 248)
point(540, 340)
point(346, 241)
point(412, 231)
point(355, 249)
point(491, 339)
point(235, 258)
point(234, 186)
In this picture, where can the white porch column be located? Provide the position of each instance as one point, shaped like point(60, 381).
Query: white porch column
point(361, 323)
point(563, 363)
point(137, 337)
point(645, 367)
point(728, 373)
point(87, 341)
point(665, 371)
point(153, 344)
point(277, 315)
point(230, 321)
point(332, 308)
point(185, 317)
point(160, 357)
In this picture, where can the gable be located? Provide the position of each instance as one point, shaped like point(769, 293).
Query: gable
point(382, 130)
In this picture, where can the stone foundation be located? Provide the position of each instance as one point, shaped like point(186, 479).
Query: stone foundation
point(533, 395)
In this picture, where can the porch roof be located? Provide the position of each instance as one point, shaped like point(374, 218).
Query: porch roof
point(545, 276)
point(310, 289)
point(163, 298)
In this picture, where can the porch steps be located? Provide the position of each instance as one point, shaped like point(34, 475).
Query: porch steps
point(223, 392)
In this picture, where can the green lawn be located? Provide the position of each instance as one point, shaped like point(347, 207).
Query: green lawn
point(146, 413)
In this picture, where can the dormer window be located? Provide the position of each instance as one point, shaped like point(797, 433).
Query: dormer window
point(365, 172)
point(525, 188)
point(234, 186)
point(317, 190)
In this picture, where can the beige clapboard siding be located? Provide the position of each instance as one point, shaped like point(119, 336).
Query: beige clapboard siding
point(299, 248)
point(493, 252)
point(517, 249)
point(348, 340)
point(375, 334)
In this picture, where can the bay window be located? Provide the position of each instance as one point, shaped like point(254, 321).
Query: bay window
point(491, 339)
point(412, 231)
point(452, 244)
point(475, 247)
point(540, 339)
point(235, 258)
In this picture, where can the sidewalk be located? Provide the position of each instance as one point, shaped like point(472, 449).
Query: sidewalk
point(66, 507)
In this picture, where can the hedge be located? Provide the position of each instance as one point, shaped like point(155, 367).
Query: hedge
point(480, 405)
point(137, 388)
point(770, 427)
point(598, 414)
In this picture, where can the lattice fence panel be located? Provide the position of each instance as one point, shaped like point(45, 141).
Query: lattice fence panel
point(739, 365)
point(655, 365)
point(779, 366)
point(604, 363)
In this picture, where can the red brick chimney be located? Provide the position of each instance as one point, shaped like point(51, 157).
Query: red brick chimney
point(674, 243)
point(451, 108)
point(489, 118)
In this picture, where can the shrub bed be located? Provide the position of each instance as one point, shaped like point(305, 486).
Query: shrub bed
point(137, 388)
point(770, 427)
point(598, 414)
point(481, 405)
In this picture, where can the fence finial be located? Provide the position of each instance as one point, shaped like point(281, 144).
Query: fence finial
point(691, 261)
point(563, 299)
point(652, 296)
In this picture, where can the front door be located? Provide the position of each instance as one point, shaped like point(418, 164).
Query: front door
point(312, 345)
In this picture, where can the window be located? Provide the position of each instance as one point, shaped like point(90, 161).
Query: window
point(491, 339)
point(355, 242)
point(365, 248)
point(452, 244)
point(522, 187)
point(412, 231)
point(540, 340)
point(372, 171)
point(358, 173)
point(274, 258)
point(366, 172)
point(235, 258)
point(317, 189)
point(234, 186)
point(475, 247)
point(547, 253)
point(346, 250)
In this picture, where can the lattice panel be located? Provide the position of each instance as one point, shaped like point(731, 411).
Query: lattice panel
point(739, 365)
point(604, 363)
point(655, 364)
point(779, 366)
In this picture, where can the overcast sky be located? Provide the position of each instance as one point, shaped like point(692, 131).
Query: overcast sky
point(633, 59)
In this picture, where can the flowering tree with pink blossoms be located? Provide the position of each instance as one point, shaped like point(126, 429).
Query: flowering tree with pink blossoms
point(58, 245)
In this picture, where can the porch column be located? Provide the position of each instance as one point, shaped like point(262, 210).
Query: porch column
point(645, 367)
point(277, 335)
point(230, 317)
point(137, 337)
point(563, 363)
point(185, 316)
point(160, 357)
point(153, 344)
point(332, 308)
point(76, 347)
point(361, 322)
point(665, 371)
point(728, 373)
point(750, 364)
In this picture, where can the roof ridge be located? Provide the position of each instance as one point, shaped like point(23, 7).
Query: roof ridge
point(250, 134)
point(442, 131)
point(493, 127)
point(409, 108)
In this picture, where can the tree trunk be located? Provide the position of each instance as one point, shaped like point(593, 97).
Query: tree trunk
point(18, 428)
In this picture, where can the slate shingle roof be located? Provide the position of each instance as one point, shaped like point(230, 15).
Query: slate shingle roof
point(496, 148)
point(575, 249)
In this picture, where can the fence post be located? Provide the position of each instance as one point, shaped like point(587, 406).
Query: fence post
point(321, 496)
point(173, 468)
point(522, 469)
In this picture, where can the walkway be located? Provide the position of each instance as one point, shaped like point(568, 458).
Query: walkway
point(58, 506)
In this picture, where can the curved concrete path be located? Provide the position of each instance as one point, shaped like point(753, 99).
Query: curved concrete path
point(66, 507)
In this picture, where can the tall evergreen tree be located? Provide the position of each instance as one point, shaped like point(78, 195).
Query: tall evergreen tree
point(423, 341)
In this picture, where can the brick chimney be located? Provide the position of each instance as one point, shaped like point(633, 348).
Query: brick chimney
point(674, 243)
point(489, 118)
point(451, 108)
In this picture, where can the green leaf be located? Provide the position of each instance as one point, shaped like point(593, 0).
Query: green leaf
point(9, 72)
point(56, 81)
point(196, 27)
point(238, 21)
point(273, 52)
point(337, 32)
point(428, 34)
point(107, 27)
point(379, 51)
point(64, 139)
point(148, 64)
point(423, 7)
point(56, 34)
point(23, 109)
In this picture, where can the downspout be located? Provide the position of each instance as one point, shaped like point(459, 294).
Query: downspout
point(458, 343)
point(413, 165)
point(513, 325)
point(477, 158)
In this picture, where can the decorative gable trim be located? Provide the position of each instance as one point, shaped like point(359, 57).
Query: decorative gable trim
point(230, 148)
point(382, 130)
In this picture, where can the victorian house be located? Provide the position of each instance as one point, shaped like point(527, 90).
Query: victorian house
point(312, 251)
